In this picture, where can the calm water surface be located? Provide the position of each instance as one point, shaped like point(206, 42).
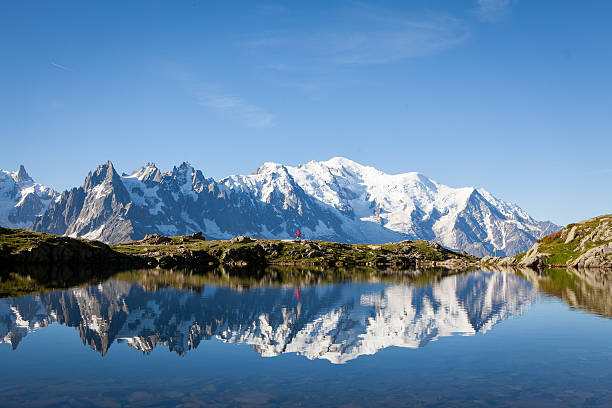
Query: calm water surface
point(471, 339)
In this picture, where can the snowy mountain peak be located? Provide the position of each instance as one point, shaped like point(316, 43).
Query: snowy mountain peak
point(149, 172)
point(340, 161)
point(272, 170)
point(353, 172)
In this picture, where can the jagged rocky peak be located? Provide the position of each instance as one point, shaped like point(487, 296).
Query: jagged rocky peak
point(104, 172)
point(22, 175)
point(189, 179)
point(184, 173)
point(184, 168)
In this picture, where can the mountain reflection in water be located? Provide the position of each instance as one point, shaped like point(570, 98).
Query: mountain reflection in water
point(337, 322)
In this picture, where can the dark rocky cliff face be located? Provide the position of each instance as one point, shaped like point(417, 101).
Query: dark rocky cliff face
point(29, 207)
point(98, 208)
point(62, 213)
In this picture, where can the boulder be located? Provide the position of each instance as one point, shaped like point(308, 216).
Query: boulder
point(491, 259)
point(598, 257)
point(507, 261)
point(246, 255)
point(534, 258)
point(155, 239)
point(242, 239)
point(196, 236)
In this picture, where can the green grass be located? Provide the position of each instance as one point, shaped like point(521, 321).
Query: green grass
point(15, 240)
point(520, 256)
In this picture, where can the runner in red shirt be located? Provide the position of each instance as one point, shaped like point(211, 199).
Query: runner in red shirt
point(298, 234)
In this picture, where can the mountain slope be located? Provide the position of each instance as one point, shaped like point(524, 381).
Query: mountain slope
point(337, 200)
point(461, 218)
point(22, 199)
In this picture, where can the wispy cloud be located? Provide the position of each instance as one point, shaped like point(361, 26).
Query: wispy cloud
point(403, 39)
point(59, 66)
point(215, 97)
point(366, 35)
point(492, 10)
point(240, 110)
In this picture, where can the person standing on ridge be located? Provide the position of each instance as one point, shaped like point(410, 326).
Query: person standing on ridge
point(298, 234)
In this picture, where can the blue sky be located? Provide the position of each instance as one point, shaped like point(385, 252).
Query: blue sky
point(511, 95)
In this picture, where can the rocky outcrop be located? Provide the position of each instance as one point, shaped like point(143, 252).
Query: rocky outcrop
point(586, 244)
point(44, 249)
point(598, 257)
point(155, 239)
point(245, 255)
point(534, 258)
point(243, 239)
point(184, 258)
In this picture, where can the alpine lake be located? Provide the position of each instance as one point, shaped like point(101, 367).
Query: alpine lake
point(304, 337)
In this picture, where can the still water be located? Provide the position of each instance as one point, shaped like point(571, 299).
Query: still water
point(469, 339)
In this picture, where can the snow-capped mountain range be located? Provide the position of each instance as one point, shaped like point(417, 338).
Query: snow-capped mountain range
point(337, 322)
point(337, 200)
point(21, 199)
